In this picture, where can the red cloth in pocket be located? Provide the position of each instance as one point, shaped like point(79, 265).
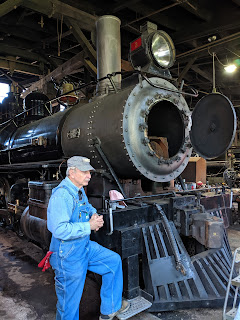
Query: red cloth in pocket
point(45, 264)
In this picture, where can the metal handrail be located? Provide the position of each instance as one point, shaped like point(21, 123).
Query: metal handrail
point(237, 251)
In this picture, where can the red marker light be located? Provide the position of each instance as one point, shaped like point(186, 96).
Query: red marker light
point(136, 44)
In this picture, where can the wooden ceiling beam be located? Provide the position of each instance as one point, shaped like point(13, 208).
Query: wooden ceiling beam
point(206, 75)
point(23, 44)
point(20, 32)
point(90, 67)
point(59, 73)
point(237, 2)
point(186, 69)
point(193, 7)
point(121, 5)
point(8, 6)
point(7, 64)
point(162, 19)
point(54, 39)
point(81, 38)
point(67, 68)
point(57, 9)
point(201, 30)
point(11, 79)
point(30, 56)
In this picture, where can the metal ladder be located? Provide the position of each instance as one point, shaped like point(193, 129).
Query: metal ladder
point(234, 313)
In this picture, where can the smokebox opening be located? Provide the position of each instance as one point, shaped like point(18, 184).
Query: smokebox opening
point(165, 129)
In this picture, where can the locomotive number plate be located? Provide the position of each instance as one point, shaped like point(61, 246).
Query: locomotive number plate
point(74, 133)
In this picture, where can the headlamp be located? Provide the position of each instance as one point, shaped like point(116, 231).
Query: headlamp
point(162, 49)
point(153, 51)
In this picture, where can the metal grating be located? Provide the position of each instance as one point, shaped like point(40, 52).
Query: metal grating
point(204, 283)
point(137, 305)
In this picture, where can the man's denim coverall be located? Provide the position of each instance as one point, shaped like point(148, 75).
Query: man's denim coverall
point(74, 253)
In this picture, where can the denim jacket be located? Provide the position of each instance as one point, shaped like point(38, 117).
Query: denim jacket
point(67, 216)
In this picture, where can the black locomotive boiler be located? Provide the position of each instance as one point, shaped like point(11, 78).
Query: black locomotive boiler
point(139, 135)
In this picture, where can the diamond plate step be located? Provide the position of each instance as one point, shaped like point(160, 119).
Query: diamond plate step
point(137, 305)
point(236, 281)
point(230, 315)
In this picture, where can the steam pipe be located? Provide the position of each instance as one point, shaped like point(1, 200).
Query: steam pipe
point(108, 52)
point(179, 265)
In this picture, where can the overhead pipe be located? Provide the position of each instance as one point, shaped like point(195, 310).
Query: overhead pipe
point(221, 41)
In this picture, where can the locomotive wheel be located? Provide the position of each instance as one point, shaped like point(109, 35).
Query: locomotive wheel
point(4, 222)
point(4, 191)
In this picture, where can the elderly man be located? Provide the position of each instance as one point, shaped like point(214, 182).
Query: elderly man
point(71, 218)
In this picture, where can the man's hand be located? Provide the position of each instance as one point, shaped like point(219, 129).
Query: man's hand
point(96, 222)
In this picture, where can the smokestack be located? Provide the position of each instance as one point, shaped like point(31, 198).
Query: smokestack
point(108, 52)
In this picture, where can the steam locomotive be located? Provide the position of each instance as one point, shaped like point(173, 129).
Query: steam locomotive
point(139, 135)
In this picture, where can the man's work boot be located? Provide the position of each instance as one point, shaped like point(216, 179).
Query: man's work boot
point(124, 308)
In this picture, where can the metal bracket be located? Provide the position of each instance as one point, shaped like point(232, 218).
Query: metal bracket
point(140, 77)
point(97, 145)
point(109, 76)
point(110, 220)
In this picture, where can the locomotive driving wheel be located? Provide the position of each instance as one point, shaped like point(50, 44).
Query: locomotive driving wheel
point(5, 218)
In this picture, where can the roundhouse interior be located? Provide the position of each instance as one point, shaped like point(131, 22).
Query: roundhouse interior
point(142, 90)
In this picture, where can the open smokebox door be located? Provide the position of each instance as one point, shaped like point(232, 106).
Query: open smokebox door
point(213, 126)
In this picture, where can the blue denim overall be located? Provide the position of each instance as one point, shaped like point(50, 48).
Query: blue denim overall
point(73, 255)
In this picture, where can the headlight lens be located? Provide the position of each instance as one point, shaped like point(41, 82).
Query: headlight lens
point(162, 49)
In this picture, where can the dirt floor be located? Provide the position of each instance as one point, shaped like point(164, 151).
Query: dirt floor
point(28, 293)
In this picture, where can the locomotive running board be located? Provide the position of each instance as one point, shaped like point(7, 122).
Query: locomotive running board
point(137, 305)
point(201, 283)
